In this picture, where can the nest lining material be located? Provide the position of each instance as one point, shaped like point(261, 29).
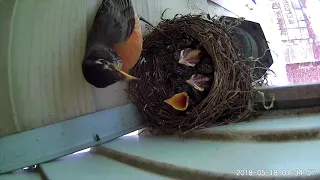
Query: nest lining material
point(228, 100)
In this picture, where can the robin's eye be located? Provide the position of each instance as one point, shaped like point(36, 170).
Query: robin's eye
point(107, 66)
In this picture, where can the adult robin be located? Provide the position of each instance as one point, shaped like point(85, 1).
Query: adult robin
point(114, 44)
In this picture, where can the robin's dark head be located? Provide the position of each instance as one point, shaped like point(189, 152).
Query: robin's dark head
point(102, 73)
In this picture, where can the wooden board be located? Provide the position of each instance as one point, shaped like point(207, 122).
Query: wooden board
point(7, 120)
point(217, 10)
point(94, 167)
point(228, 157)
point(43, 49)
point(242, 8)
point(47, 143)
point(45, 81)
point(21, 176)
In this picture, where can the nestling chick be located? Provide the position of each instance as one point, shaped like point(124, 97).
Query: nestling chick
point(199, 82)
point(179, 101)
point(190, 57)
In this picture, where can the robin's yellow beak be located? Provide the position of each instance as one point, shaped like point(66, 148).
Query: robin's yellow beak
point(127, 76)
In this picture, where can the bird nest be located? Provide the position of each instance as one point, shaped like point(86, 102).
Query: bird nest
point(228, 98)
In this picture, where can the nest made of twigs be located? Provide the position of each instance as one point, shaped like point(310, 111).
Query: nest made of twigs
point(228, 100)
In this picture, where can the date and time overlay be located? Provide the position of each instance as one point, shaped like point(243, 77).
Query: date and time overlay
point(276, 172)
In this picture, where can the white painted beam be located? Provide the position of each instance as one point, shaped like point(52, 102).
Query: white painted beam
point(60, 139)
point(287, 159)
point(87, 166)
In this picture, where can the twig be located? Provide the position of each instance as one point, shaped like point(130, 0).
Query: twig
point(264, 100)
point(163, 14)
point(144, 20)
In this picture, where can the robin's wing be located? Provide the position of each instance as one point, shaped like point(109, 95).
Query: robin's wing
point(114, 22)
point(123, 12)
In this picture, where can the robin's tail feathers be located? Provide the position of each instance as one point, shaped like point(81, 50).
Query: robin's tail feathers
point(123, 6)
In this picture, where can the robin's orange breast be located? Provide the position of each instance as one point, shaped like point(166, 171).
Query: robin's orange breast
point(130, 50)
